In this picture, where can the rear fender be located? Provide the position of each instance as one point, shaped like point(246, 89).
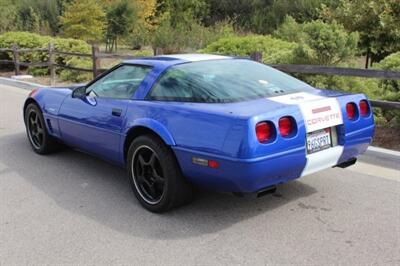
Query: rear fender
point(153, 125)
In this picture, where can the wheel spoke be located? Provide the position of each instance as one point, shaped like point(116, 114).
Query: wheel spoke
point(158, 178)
point(152, 160)
point(151, 191)
point(39, 124)
point(31, 120)
point(141, 164)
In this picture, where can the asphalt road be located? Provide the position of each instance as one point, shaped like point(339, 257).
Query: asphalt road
point(70, 208)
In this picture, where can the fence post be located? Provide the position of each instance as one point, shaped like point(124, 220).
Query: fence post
point(16, 59)
point(158, 51)
point(95, 60)
point(51, 63)
point(257, 56)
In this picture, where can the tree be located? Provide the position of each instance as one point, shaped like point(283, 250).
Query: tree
point(120, 21)
point(377, 21)
point(83, 19)
point(7, 15)
point(28, 19)
point(267, 18)
point(319, 42)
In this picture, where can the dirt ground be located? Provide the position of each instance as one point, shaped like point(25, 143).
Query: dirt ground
point(387, 137)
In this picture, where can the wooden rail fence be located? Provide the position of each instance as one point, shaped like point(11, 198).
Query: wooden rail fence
point(96, 56)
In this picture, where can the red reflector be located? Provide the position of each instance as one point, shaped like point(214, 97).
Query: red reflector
point(285, 126)
point(364, 108)
point(263, 131)
point(32, 93)
point(351, 111)
point(213, 164)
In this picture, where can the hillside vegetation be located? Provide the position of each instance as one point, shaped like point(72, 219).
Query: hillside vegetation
point(348, 33)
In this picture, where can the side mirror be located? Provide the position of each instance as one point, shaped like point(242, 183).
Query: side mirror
point(79, 92)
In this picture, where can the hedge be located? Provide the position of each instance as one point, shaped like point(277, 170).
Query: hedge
point(32, 40)
point(275, 51)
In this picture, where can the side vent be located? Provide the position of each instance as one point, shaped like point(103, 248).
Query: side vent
point(49, 125)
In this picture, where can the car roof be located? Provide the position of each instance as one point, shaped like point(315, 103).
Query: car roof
point(174, 59)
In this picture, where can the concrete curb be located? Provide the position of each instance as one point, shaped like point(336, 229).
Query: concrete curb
point(382, 157)
point(373, 149)
point(21, 84)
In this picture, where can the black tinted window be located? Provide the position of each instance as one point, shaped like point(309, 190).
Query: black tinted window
point(223, 81)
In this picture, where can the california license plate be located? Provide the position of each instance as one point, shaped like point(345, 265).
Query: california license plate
point(319, 140)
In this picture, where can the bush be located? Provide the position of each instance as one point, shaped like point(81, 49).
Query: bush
point(275, 51)
point(188, 36)
point(25, 40)
point(31, 40)
point(320, 43)
point(390, 89)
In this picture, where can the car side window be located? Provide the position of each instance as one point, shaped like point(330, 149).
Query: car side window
point(121, 83)
point(173, 85)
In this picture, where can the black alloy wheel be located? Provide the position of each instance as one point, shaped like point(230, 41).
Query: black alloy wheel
point(148, 174)
point(39, 138)
point(155, 175)
point(35, 129)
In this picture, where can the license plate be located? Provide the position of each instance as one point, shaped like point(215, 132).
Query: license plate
point(319, 140)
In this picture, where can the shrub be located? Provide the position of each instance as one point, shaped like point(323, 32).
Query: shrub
point(76, 76)
point(31, 40)
point(320, 43)
point(188, 36)
point(24, 40)
point(275, 51)
point(390, 89)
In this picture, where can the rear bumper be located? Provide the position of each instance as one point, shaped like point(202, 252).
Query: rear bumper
point(242, 175)
point(255, 174)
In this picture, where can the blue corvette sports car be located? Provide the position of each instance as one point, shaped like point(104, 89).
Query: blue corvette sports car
point(180, 121)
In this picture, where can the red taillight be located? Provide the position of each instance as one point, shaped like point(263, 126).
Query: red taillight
point(364, 108)
point(351, 110)
point(263, 131)
point(285, 126)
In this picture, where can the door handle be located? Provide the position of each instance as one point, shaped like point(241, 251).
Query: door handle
point(116, 112)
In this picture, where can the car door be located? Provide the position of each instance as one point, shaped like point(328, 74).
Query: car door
point(92, 121)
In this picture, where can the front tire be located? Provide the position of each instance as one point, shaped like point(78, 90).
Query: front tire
point(155, 176)
point(40, 140)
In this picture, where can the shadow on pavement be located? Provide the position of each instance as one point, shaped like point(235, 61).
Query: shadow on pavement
point(87, 186)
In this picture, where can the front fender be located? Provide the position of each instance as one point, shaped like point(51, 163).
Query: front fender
point(153, 125)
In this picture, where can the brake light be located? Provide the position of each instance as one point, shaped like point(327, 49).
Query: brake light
point(364, 108)
point(351, 110)
point(263, 131)
point(286, 126)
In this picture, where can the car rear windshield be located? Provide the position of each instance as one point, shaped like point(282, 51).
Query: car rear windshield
point(226, 80)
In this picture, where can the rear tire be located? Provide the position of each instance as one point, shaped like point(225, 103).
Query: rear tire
point(40, 140)
point(155, 176)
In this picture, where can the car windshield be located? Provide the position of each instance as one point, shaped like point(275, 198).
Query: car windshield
point(227, 80)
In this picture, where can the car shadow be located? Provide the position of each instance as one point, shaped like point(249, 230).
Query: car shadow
point(84, 185)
